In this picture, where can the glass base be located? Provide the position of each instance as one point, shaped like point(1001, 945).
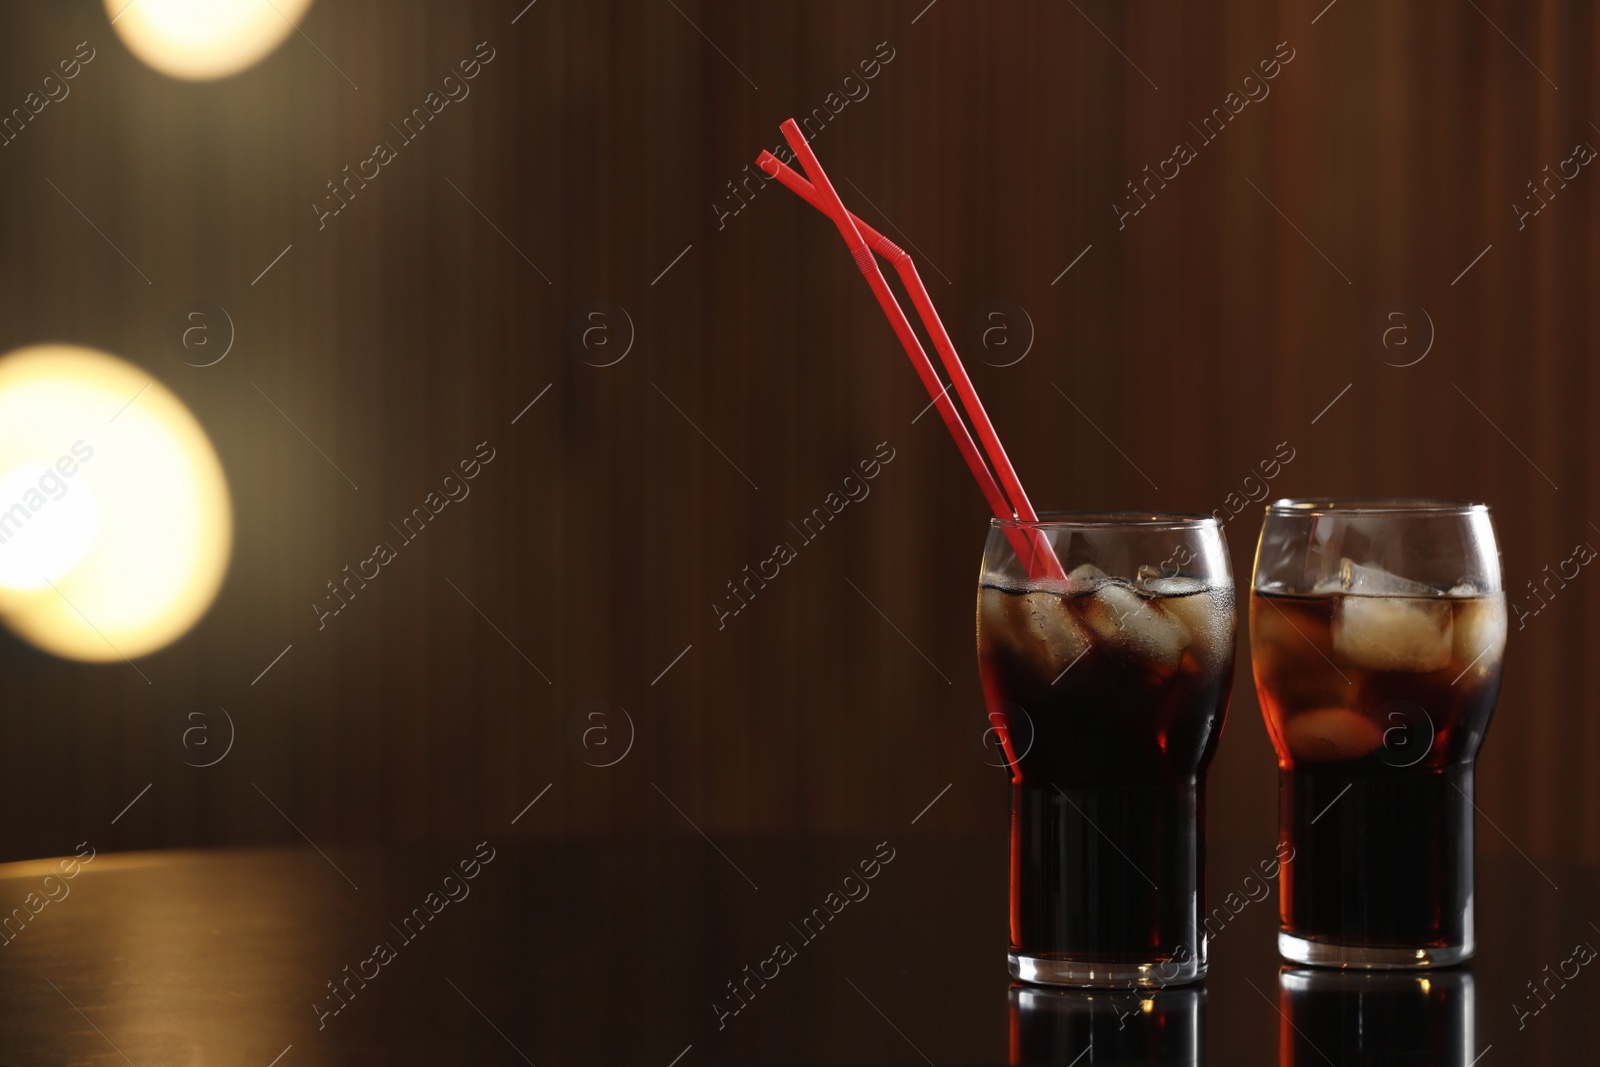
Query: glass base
point(1367, 958)
point(1042, 970)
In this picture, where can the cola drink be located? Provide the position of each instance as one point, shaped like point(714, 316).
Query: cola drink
point(1108, 696)
point(1377, 692)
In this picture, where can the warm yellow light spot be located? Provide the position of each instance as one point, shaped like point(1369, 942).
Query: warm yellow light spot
point(41, 547)
point(115, 522)
point(203, 39)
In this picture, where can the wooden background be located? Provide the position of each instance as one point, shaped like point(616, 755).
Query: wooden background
point(1219, 322)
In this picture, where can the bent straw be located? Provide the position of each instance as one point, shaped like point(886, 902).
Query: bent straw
point(1034, 549)
point(919, 359)
point(907, 270)
point(923, 366)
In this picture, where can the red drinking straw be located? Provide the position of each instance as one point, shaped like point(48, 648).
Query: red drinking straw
point(901, 261)
point(1034, 549)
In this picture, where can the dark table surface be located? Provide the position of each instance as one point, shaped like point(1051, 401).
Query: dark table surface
point(621, 952)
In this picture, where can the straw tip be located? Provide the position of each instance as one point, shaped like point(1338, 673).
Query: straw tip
point(768, 162)
point(797, 140)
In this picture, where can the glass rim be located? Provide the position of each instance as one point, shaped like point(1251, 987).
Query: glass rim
point(1128, 520)
point(1291, 506)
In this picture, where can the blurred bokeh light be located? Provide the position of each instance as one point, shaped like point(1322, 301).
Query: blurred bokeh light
point(200, 40)
point(115, 522)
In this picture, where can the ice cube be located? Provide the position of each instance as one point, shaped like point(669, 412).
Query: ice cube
point(1038, 626)
point(1375, 581)
point(1086, 574)
point(1271, 630)
point(1331, 734)
point(1121, 617)
point(1052, 626)
point(1166, 580)
point(1177, 585)
point(1393, 633)
point(1209, 616)
point(992, 609)
point(1333, 583)
point(1480, 636)
point(1289, 660)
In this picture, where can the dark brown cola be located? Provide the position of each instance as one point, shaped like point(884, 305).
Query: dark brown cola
point(1108, 698)
point(1377, 705)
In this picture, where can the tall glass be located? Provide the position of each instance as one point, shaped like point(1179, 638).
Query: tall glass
point(1377, 633)
point(1106, 692)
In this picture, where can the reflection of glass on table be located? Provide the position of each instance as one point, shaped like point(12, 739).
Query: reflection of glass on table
point(1376, 1017)
point(1163, 1027)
